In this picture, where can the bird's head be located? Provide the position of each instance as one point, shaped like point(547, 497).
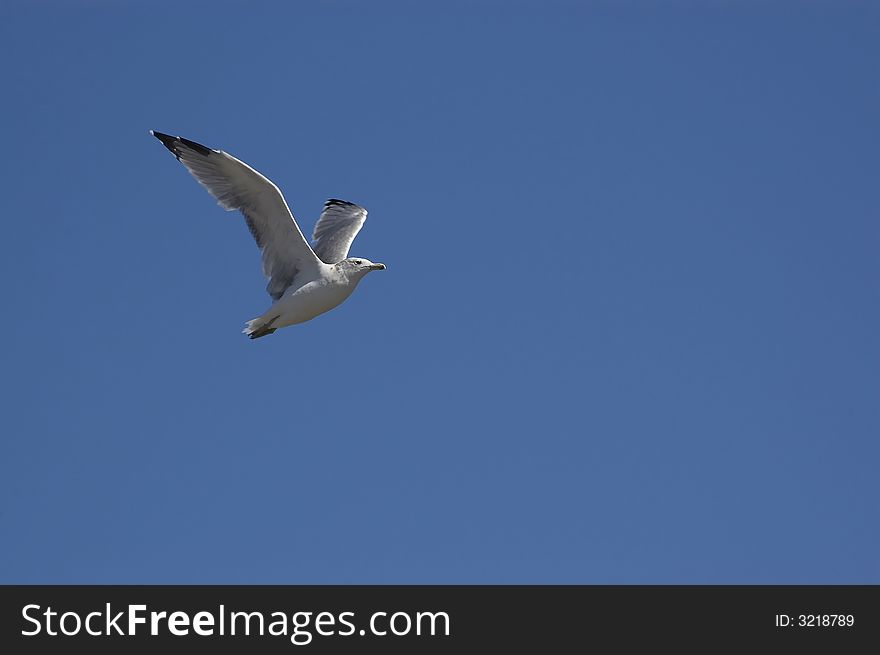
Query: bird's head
point(357, 267)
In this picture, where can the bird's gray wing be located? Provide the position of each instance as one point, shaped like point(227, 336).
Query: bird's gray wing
point(336, 229)
point(236, 185)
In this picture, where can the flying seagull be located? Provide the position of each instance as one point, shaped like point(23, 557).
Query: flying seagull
point(304, 281)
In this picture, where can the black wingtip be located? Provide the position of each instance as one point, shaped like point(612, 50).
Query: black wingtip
point(198, 147)
point(172, 143)
point(337, 201)
point(168, 141)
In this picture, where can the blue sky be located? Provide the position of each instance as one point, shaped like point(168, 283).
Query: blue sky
point(627, 334)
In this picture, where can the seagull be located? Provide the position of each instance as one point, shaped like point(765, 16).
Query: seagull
point(304, 281)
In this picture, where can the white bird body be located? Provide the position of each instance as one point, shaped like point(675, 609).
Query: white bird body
point(304, 281)
point(304, 303)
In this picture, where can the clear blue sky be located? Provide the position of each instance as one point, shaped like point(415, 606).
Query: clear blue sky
point(668, 372)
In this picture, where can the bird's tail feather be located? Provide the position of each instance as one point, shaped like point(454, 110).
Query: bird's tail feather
point(258, 327)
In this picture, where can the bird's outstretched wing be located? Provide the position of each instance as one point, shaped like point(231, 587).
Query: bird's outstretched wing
point(336, 229)
point(236, 185)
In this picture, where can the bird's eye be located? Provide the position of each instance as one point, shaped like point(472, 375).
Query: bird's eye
point(358, 262)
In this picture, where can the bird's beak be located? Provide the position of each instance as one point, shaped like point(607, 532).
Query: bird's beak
point(377, 267)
